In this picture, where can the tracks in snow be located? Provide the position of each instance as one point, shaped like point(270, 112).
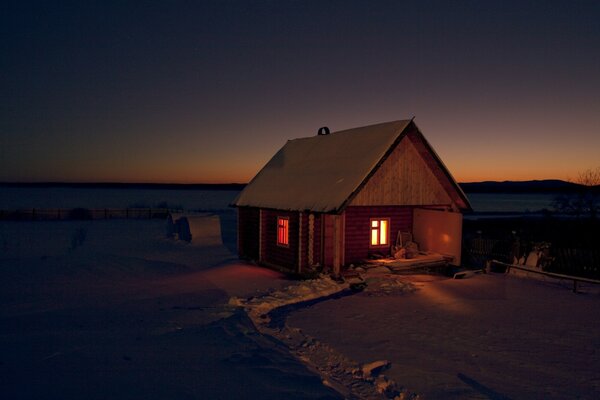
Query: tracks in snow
point(349, 378)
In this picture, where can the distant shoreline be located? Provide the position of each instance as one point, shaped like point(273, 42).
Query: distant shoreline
point(548, 186)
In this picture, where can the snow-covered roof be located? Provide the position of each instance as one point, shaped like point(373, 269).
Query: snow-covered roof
point(320, 173)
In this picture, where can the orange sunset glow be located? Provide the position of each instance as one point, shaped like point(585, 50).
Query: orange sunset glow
point(212, 101)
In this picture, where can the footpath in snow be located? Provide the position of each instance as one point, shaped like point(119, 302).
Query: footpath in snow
point(350, 378)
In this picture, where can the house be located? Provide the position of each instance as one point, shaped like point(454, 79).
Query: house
point(334, 199)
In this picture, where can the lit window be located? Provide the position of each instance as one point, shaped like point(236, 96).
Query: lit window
point(283, 231)
point(379, 232)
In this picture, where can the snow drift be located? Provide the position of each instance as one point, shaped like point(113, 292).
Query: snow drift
point(198, 229)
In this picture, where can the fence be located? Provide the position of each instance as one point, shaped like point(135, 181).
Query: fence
point(583, 262)
point(47, 214)
point(575, 279)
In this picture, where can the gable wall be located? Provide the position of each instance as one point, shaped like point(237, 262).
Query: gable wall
point(404, 178)
point(429, 158)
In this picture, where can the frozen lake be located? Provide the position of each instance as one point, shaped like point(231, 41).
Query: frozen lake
point(65, 197)
point(212, 200)
point(510, 202)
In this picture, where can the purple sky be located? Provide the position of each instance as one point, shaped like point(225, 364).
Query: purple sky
point(208, 91)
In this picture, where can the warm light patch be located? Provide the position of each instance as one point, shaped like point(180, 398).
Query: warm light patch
point(283, 231)
point(379, 232)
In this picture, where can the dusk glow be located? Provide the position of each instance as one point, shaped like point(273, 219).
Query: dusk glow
point(208, 91)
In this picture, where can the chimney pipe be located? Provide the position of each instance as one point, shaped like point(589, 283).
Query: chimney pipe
point(323, 131)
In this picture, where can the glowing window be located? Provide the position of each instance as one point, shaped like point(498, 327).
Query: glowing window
point(379, 232)
point(283, 224)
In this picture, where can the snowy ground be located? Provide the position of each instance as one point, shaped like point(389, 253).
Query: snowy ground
point(487, 337)
point(12, 198)
point(113, 309)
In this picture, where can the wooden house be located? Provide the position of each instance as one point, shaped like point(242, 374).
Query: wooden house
point(334, 199)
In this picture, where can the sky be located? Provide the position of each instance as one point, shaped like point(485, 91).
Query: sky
point(208, 91)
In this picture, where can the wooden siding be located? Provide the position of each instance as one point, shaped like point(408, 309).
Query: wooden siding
point(303, 248)
point(304, 244)
point(327, 242)
point(317, 249)
point(404, 178)
point(272, 253)
point(440, 172)
point(358, 228)
point(248, 223)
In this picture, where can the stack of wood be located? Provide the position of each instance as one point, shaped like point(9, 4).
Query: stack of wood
point(405, 247)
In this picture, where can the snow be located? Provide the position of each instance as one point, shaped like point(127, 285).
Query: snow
point(346, 376)
point(202, 229)
point(258, 308)
point(488, 336)
point(319, 173)
point(113, 309)
point(124, 312)
point(373, 368)
point(12, 198)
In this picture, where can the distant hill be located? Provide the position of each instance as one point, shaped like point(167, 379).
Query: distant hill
point(542, 186)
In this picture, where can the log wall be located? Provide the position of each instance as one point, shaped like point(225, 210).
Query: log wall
point(248, 223)
point(358, 228)
point(272, 253)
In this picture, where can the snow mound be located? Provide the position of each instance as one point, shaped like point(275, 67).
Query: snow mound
point(258, 307)
point(379, 285)
point(198, 229)
point(375, 367)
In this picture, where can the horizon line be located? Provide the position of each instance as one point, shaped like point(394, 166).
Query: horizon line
point(120, 183)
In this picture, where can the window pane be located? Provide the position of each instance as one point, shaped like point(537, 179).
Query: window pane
point(383, 232)
point(374, 236)
point(374, 224)
point(282, 231)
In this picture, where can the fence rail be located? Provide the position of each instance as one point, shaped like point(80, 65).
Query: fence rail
point(584, 262)
point(575, 279)
point(47, 214)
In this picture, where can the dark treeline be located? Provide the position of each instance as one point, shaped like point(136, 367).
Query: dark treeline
point(542, 186)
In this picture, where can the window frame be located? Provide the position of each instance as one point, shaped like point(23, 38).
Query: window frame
point(286, 231)
point(378, 229)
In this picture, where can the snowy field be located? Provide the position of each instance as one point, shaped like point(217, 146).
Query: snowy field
point(113, 309)
point(12, 198)
point(487, 337)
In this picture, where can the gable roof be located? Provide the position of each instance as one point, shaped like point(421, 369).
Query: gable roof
point(321, 173)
